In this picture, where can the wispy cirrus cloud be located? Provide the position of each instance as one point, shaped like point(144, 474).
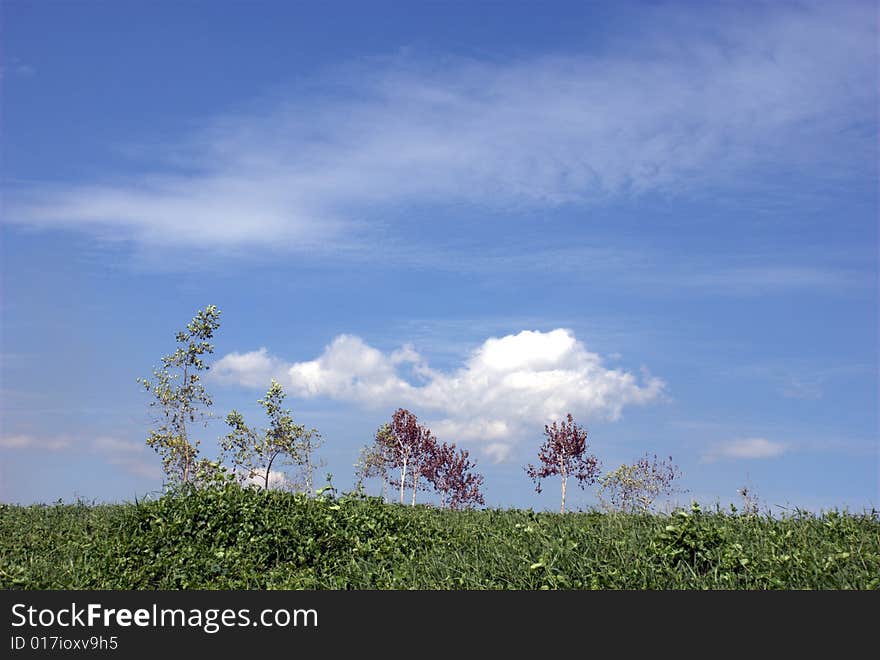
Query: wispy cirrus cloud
point(15, 67)
point(807, 379)
point(504, 388)
point(745, 449)
point(26, 441)
point(133, 457)
point(788, 84)
point(741, 275)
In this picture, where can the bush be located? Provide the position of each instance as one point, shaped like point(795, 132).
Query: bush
point(229, 537)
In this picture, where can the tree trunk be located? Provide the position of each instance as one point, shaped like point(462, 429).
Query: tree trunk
point(564, 473)
point(185, 476)
point(415, 486)
point(309, 483)
point(384, 475)
point(183, 427)
point(268, 472)
point(402, 479)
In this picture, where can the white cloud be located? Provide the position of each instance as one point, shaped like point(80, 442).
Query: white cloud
point(506, 387)
point(16, 442)
point(253, 369)
point(277, 480)
point(22, 441)
point(498, 452)
point(133, 457)
point(692, 103)
point(745, 449)
point(769, 278)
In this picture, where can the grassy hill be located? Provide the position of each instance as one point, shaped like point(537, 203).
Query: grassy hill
point(233, 538)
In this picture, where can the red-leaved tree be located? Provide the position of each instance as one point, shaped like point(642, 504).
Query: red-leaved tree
point(449, 471)
point(410, 448)
point(564, 453)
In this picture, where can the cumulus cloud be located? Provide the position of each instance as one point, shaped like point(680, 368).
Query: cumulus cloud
point(253, 369)
point(503, 389)
point(693, 103)
point(498, 452)
point(277, 480)
point(745, 449)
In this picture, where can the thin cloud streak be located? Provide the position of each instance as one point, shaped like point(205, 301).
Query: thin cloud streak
point(745, 449)
point(132, 457)
point(24, 441)
point(531, 133)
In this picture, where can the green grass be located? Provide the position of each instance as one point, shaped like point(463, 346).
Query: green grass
point(235, 538)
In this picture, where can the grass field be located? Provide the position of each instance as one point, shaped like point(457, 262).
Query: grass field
point(235, 538)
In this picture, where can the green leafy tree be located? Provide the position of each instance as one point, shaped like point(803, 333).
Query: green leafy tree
point(308, 444)
point(636, 487)
point(181, 401)
point(254, 453)
point(374, 459)
point(751, 503)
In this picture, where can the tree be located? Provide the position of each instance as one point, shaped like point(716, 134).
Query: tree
point(420, 464)
point(373, 460)
point(449, 471)
point(409, 447)
point(242, 447)
point(751, 504)
point(308, 443)
point(180, 399)
point(636, 487)
point(564, 453)
point(253, 453)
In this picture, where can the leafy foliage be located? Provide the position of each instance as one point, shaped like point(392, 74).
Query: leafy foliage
point(180, 399)
point(253, 453)
point(636, 487)
point(230, 537)
point(691, 539)
point(406, 445)
point(450, 472)
point(751, 504)
point(564, 453)
point(374, 460)
point(410, 445)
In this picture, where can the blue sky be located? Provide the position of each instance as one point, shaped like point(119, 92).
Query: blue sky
point(661, 217)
